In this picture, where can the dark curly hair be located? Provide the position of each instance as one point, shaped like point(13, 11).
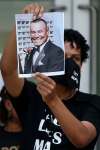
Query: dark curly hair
point(72, 35)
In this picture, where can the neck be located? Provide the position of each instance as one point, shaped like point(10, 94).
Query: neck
point(65, 93)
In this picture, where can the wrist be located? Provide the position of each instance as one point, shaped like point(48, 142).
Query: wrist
point(53, 101)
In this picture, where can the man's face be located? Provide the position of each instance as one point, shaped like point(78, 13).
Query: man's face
point(39, 33)
point(71, 78)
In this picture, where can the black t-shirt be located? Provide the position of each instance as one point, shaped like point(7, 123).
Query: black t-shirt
point(42, 130)
point(10, 141)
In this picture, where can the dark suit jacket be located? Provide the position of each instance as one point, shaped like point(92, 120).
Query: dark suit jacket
point(52, 60)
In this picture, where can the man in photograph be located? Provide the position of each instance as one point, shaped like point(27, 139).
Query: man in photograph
point(45, 56)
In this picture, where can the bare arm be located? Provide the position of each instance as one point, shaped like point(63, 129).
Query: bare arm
point(9, 60)
point(9, 66)
point(79, 133)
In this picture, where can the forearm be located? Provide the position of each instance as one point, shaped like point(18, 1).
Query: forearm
point(9, 60)
point(9, 66)
point(74, 130)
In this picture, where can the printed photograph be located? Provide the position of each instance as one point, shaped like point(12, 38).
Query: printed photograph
point(40, 44)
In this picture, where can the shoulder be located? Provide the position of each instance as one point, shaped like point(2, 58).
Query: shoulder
point(95, 101)
point(53, 45)
point(92, 99)
point(88, 95)
point(81, 96)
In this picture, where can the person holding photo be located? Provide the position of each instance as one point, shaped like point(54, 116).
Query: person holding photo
point(45, 56)
point(57, 116)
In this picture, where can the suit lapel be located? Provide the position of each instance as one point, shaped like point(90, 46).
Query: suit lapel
point(43, 55)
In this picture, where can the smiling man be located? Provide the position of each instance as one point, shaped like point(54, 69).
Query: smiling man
point(45, 56)
point(39, 32)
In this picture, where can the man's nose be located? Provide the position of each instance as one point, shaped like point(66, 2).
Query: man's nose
point(35, 34)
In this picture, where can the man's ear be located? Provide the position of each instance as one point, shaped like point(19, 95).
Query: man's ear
point(8, 105)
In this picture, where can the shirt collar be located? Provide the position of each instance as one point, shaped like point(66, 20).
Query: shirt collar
point(42, 46)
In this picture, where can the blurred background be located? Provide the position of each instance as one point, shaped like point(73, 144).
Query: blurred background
point(83, 16)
